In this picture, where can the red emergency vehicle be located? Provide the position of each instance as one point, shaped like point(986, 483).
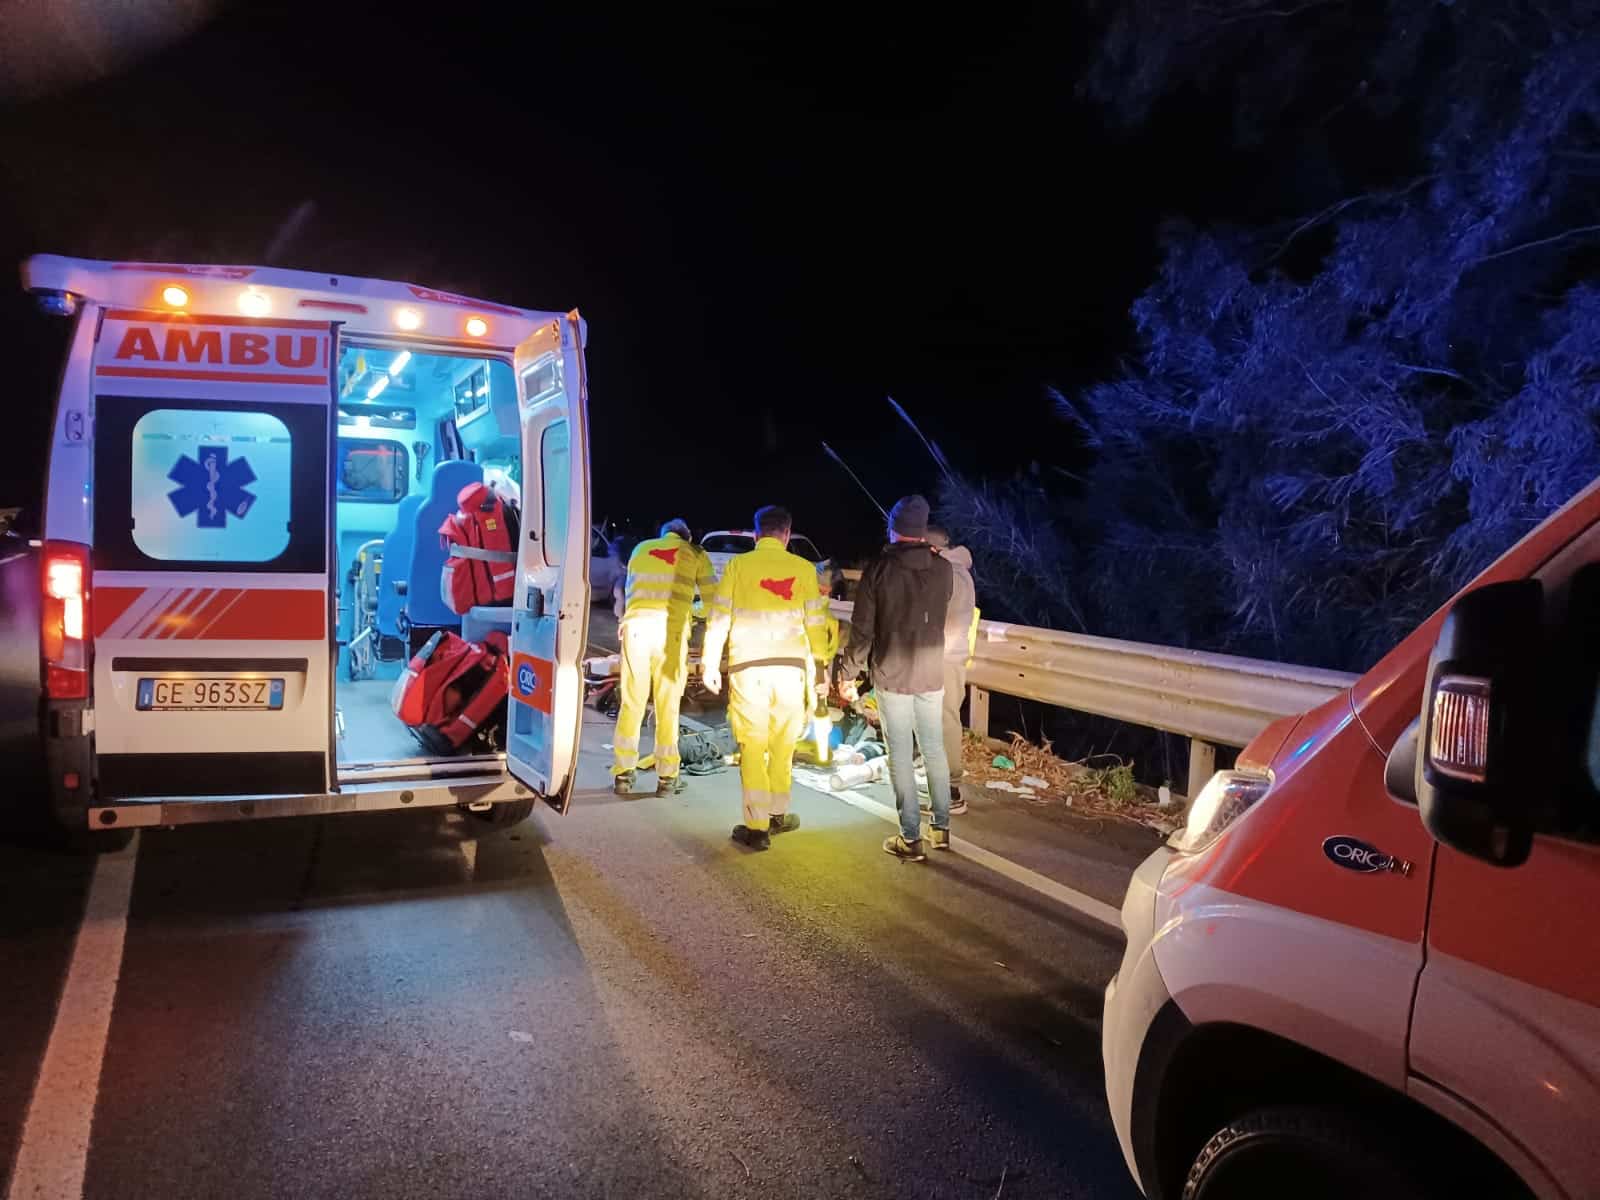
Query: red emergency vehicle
point(1370, 963)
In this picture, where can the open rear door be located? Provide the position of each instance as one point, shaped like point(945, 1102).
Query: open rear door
point(211, 605)
point(550, 617)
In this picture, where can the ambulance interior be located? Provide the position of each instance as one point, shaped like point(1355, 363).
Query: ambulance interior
point(414, 428)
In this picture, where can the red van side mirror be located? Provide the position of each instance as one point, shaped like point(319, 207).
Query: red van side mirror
point(1479, 763)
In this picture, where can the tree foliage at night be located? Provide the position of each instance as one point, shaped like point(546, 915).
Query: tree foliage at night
point(1334, 419)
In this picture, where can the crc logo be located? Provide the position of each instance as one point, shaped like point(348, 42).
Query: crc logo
point(1354, 855)
point(526, 680)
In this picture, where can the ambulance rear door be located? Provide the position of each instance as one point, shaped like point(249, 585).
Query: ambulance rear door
point(210, 597)
point(550, 618)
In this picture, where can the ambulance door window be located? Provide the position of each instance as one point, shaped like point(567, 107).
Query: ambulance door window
point(555, 466)
point(372, 471)
point(196, 484)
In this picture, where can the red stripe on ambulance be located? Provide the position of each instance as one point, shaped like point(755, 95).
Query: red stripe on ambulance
point(211, 614)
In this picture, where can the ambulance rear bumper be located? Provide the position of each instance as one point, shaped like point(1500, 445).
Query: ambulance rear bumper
point(362, 797)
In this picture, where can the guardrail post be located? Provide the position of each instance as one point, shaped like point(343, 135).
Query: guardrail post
point(978, 710)
point(1202, 765)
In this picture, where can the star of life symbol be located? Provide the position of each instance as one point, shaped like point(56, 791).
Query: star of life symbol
point(213, 487)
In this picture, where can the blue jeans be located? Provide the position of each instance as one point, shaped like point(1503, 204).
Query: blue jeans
point(921, 715)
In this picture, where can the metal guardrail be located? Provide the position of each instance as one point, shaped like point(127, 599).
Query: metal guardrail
point(1213, 699)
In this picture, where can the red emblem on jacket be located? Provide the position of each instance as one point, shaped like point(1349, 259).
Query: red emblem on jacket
point(780, 587)
point(670, 557)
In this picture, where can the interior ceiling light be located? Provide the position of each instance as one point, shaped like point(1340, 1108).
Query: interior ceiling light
point(407, 319)
point(399, 363)
point(176, 296)
point(477, 327)
point(377, 389)
point(254, 304)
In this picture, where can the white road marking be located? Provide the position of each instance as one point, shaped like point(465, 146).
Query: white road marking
point(54, 1152)
point(1080, 902)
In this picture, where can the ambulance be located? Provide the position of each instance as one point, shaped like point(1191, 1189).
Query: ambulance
point(1369, 965)
point(248, 471)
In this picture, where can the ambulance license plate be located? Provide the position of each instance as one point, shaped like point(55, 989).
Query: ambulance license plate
point(166, 695)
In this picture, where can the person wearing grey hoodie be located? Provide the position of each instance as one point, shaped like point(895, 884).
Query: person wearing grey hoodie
point(960, 637)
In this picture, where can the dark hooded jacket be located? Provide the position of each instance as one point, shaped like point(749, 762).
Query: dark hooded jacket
point(898, 626)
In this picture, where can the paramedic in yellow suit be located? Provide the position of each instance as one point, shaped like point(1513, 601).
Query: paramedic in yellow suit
point(772, 617)
point(663, 574)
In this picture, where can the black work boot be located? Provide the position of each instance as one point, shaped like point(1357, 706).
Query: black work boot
point(756, 839)
point(622, 785)
point(670, 785)
point(787, 823)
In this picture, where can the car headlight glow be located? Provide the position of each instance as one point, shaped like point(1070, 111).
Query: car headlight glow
point(1228, 796)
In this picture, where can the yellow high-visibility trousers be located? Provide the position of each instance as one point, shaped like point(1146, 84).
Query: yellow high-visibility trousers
point(654, 666)
point(767, 711)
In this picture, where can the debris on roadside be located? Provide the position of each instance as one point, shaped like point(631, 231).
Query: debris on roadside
point(1101, 787)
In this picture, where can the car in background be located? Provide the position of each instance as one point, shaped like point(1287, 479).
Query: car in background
point(606, 567)
point(725, 543)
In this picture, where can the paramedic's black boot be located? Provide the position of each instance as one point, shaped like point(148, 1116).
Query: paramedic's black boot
point(787, 823)
point(756, 839)
point(670, 785)
point(622, 785)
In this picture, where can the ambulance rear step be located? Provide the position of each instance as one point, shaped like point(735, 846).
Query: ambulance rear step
point(361, 797)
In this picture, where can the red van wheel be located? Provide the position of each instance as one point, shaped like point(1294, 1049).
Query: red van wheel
point(1306, 1153)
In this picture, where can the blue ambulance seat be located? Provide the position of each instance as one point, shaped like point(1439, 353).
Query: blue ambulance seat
point(396, 565)
point(479, 622)
point(424, 605)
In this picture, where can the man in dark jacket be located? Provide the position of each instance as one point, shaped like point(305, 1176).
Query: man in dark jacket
point(898, 627)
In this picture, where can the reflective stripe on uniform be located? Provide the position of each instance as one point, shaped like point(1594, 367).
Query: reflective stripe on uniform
point(651, 586)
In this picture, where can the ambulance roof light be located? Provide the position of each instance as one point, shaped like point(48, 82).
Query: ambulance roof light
point(175, 296)
point(477, 327)
point(407, 319)
point(253, 303)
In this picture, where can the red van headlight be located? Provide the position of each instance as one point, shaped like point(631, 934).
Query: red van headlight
point(1225, 799)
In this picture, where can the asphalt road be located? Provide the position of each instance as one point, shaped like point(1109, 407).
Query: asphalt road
point(618, 1002)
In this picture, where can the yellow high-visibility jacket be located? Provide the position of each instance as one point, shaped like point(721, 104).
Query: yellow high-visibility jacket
point(768, 610)
point(662, 576)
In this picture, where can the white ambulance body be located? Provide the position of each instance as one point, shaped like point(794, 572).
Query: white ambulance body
point(247, 472)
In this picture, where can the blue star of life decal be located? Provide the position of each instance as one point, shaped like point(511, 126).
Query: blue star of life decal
point(211, 486)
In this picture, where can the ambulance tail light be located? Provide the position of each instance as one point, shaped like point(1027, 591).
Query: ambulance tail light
point(64, 621)
point(1228, 796)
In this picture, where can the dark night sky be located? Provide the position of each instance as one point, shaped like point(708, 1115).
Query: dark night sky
point(770, 221)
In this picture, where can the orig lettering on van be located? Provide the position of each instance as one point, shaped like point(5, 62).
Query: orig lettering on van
point(136, 345)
